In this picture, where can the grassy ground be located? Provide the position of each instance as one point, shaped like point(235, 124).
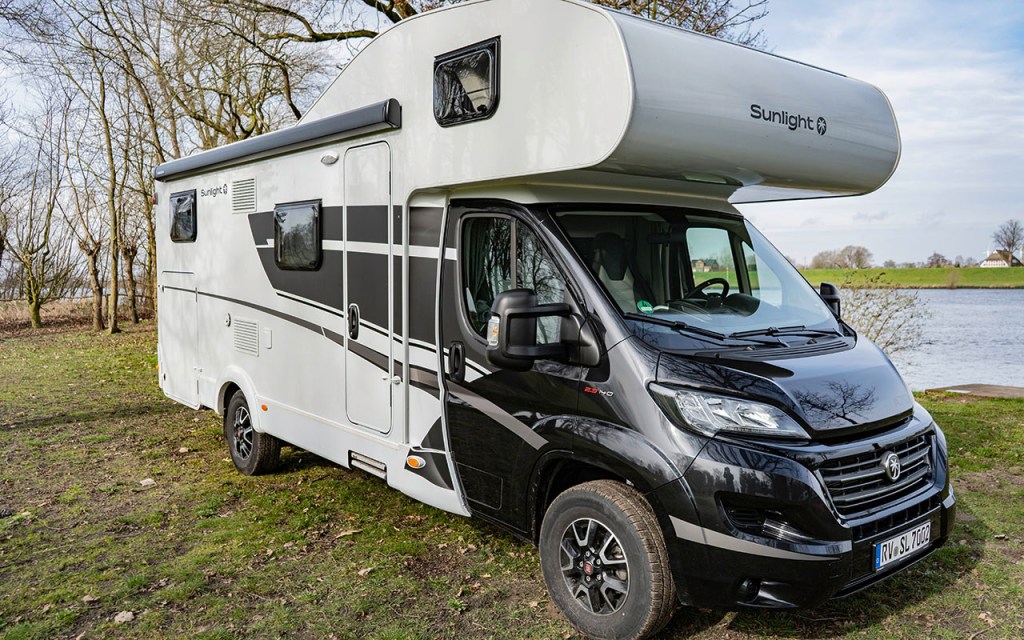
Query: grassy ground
point(315, 551)
point(944, 278)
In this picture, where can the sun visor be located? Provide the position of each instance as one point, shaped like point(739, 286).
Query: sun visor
point(710, 111)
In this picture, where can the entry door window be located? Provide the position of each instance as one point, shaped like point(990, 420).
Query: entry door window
point(487, 270)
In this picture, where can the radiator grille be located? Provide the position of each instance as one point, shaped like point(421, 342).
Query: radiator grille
point(247, 337)
point(243, 196)
point(858, 485)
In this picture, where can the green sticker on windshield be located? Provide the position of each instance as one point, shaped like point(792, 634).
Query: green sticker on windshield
point(644, 306)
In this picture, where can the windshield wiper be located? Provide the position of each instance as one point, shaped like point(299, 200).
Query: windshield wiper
point(795, 330)
point(679, 325)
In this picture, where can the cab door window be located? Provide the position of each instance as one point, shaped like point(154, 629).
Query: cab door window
point(489, 245)
point(486, 265)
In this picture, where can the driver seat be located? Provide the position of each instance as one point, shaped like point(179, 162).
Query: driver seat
point(614, 269)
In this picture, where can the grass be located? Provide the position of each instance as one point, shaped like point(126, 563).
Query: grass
point(941, 278)
point(316, 551)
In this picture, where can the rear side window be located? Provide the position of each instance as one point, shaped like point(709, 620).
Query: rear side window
point(466, 83)
point(183, 216)
point(297, 236)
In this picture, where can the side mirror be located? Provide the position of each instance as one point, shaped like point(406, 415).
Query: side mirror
point(830, 294)
point(512, 330)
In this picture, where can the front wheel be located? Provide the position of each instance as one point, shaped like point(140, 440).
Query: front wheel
point(605, 561)
point(252, 452)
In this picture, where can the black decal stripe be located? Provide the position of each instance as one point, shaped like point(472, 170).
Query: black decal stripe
point(375, 358)
point(499, 415)
point(274, 312)
point(396, 295)
point(262, 226)
point(370, 288)
point(425, 226)
point(436, 469)
point(333, 312)
point(434, 438)
point(422, 298)
point(334, 223)
point(323, 285)
point(396, 215)
point(192, 291)
point(367, 224)
point(423, 377)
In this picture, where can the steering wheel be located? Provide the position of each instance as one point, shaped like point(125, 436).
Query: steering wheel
point(707, 283)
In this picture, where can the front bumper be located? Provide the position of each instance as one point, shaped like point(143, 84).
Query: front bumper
point(722, 560)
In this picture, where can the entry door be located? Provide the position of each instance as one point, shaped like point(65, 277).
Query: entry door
point(496, 417)
point(179, 336)
point(370, 377)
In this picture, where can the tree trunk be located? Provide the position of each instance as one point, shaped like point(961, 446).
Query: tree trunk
point(151, 260)
point(129, 254)
point(34, 303)
point(97, 291)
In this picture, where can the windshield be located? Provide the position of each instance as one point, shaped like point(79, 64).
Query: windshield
point(707, 271)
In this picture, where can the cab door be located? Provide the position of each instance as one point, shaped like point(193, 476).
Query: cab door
point(499, 421)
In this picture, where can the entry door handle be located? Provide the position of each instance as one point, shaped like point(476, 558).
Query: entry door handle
point(353, 321)
point(456, 361)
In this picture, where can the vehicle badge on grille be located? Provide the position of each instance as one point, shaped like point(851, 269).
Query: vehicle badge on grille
point(891, 466)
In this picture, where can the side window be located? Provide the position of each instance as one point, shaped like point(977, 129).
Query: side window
point(466, 83)
point(711, 256)
point(487, 270)
point(183, 216)
point(486, 265)
point(297, 236)
point(536, 270)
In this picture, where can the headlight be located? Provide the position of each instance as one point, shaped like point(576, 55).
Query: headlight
point(709, 414)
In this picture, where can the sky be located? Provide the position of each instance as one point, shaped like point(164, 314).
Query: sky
point(954, 72)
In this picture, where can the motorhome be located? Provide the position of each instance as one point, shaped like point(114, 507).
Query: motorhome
point(498, 264)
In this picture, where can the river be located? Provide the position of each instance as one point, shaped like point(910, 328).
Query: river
point(970, 336)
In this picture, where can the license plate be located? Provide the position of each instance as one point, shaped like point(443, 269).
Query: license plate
point(903, 545)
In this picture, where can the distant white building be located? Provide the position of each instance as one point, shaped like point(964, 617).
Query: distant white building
point(1001, 259)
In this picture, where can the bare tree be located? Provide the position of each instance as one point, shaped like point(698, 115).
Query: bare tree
point(39, 244)
point(849, 257)
point(1009, 237)
point(328, 20)
point(891, 318)
point(85, 215)
point(936, 261)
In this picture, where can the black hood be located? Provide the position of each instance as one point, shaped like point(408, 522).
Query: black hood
point(839, 390)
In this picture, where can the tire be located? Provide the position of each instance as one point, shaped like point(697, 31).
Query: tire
point(624, 588)
point(252, 452)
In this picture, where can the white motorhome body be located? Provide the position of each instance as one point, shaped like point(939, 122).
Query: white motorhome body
point(592, 102)
point(338, 334)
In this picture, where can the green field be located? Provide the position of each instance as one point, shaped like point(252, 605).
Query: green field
point(316, 551)
point(944, 278)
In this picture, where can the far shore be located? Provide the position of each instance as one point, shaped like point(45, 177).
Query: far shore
point(922, 278)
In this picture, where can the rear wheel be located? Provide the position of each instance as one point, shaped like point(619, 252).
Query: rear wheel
point(605, 561)
point(252, 452)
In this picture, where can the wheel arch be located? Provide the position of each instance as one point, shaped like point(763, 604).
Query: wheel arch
point(601, 451)
point(235, 379)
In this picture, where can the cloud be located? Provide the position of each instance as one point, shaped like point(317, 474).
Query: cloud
point(871, 217)
point(954, 73)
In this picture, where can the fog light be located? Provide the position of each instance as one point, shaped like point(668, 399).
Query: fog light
point(748, 590)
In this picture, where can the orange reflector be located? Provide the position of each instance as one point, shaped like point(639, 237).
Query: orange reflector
point(415, 462)
point(263, 406)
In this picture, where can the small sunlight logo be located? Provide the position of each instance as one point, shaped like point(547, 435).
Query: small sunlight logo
point(822, 126)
